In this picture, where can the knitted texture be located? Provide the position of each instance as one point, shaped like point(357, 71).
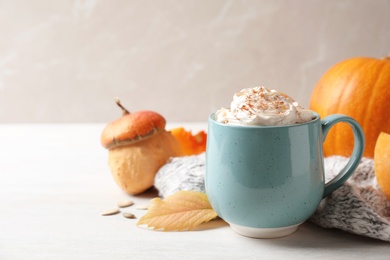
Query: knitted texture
point(181, 173)
point(358, 206)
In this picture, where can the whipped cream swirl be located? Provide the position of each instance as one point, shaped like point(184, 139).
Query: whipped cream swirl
point(262, 106)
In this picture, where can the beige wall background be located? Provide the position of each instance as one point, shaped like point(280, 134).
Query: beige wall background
point(66, 60)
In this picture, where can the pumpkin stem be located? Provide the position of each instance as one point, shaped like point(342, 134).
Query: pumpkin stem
point(118, 102)
point(387, 57)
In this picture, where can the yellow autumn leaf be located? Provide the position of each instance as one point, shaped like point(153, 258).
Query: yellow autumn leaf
point(184, 210)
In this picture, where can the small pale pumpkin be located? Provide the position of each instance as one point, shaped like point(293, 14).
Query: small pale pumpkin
point(360, 88)
point(138, 145)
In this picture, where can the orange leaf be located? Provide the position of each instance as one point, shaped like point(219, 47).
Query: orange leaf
point(190, 144)
point(184, 210)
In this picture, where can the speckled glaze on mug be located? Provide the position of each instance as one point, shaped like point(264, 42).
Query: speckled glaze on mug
point(266, 180)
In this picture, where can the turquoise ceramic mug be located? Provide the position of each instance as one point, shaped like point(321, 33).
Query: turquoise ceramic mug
point(267, 180)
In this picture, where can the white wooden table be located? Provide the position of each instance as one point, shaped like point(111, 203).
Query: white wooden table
point(55, 182)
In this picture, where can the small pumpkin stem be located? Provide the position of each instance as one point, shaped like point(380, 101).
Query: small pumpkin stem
point(118, 102)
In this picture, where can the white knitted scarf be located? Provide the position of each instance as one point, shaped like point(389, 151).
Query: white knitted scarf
point(358, 206)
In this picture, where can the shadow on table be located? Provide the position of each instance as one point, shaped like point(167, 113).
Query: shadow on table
point(213, 224)
point(312, 236)
point(148, 194)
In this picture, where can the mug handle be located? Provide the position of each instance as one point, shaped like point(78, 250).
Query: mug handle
point(357, 153)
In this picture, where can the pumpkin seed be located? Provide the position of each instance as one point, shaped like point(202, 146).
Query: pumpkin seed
point(110, 212)
point(128, 215)
point(125, 203)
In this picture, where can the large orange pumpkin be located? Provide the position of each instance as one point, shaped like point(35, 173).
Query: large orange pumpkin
point(360, 88)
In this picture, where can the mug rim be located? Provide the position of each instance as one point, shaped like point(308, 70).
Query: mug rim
point(315, 120)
